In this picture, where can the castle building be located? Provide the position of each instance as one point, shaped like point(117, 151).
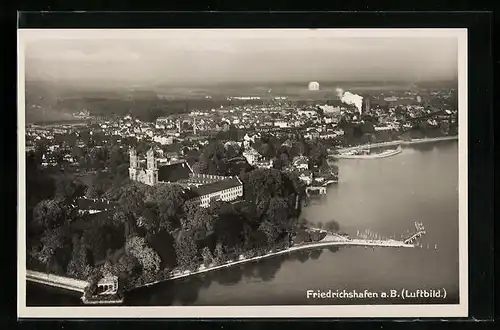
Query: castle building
point(227, 189)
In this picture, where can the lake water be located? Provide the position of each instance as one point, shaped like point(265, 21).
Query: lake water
point(385, 196)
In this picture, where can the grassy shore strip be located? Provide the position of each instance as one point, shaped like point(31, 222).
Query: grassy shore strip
point(399, 142)
point(56, 281)
point(329, 240)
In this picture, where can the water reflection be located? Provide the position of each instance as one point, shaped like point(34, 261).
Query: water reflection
point(41, 295)
point(186, 291)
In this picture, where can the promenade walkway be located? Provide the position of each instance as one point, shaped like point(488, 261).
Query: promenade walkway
point(329, 240)
point(56, 281)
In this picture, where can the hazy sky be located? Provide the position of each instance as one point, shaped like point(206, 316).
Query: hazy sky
point(204, 56)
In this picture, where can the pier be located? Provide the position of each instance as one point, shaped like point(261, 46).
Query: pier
point(420, 232)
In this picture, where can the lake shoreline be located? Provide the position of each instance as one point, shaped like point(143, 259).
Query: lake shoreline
point(399, 142)
point(322, 244)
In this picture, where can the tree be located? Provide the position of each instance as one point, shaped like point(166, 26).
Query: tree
point(126, 220)
point(268, 151)
point(128, 268)
point(318, 154)
point(95, 237)
point(197, 217)
point(117, 157)
point(270, 230)
point(68, 189)
point(192, 156)
point(256, 240)
point(261, 185)
point(170, 199)
point(278, 213)
point(200, 167)
point(228, 226)
point(214, 155)
point(51, 241)
point(208, 258)
point(148, 258)
point(231, 151)
point(150, 215)
point(132, 198)
point(298, 149)
point(164, 244)
point(50, 213)
point(186, 250)
point(120, 173)
point(219, 254)
point(107, 270)
point(93, 192)
point(79, 265)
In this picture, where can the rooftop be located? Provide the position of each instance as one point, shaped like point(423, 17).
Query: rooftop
point(216, 186)
point(174, 172)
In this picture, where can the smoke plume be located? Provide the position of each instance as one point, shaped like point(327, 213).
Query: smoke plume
point(350, 98)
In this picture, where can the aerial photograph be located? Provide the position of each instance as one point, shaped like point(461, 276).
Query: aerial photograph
point(238, 168)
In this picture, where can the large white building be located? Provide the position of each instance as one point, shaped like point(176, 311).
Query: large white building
point(226, 190)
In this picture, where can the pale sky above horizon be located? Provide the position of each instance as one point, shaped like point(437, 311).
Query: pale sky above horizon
point(204, 56)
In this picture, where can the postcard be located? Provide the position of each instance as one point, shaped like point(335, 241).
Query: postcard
point(252, 173)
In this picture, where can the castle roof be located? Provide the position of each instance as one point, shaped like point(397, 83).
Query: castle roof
point(174, 172)
point(216, 186)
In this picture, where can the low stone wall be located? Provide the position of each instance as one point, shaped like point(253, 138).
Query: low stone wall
point(56, 281)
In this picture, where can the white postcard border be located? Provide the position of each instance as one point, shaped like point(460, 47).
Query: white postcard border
point(296, 311)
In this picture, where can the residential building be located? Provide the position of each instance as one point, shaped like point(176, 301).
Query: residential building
point(252, 156)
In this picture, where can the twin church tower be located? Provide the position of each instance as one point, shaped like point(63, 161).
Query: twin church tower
point(148, 175)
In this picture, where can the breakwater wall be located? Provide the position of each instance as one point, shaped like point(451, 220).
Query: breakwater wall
point(56, 281)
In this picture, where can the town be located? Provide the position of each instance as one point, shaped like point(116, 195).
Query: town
point(138, 200)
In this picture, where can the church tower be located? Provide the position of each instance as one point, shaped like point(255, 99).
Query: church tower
point(178, 124)
point(133, 164)
point(152, 169)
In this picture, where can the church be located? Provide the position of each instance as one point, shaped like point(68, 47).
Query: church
point(202, 188)
point(148, 172)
